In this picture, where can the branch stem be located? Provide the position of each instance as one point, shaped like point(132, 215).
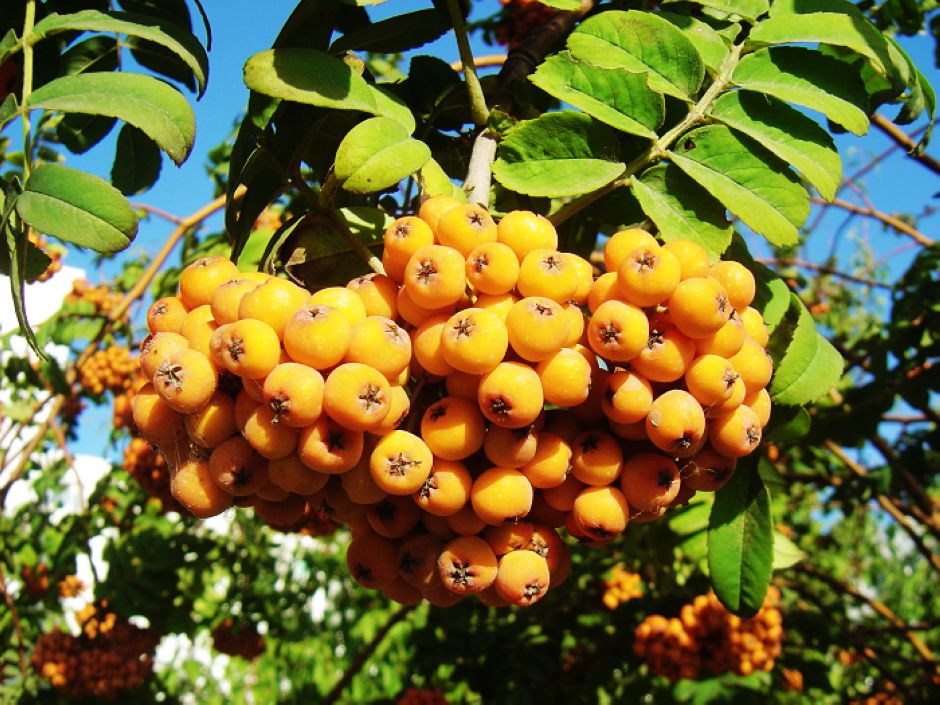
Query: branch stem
point(478, 108)
point(480, 170)
point(889, 220)
point(28, 24)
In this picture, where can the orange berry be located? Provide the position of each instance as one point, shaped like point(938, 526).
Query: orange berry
point(356, 396)
point(565, 377)
point(537, 327)
point(648, 275)
point(547, 273)
point(511, 447)
point(394, 268)
point(446, 490)
point(622, 243)
point(693, 258)
point(463, 385)
point(400, 463)
point(237, 468)
point(185, 380)
point(273, 302)
point(427, 344)
point(699, 306)
point(737, 280)
point(667, 353)
point(511, 395)
point(618, 331)
point(379, 294)
point(738, 394)
point(166, 315)
point(453, 428)
point(601, 512)
point(500, 304)
point(597, 458)
point(759, 403)
point(248, 348)
point(726, 341)
point(492, 268)
point(327, 447)
point(371, 560)
point(435, 276)
point(398, 409)
point(577, 323)
point(649, 481)
point(412, 313)
point(710, 379)
point(156, 421)
point(524, 231)
point(417, 560)
point(214, 422)
point(294, 393)
point(604, 289)
point(754, 365)
point(227, 298)
point(467, 565)
point(270, 438)
point(676, 423)
point(342, 299)
point(406, 235)
point(754, 326)
point(359, 485)
point(291, 475)
point(522, 578)
point(500, 495)
point(627, 397)
point(433, 208)
point(156, 348)
point(465, 521)
point(474, 341)
point(191, 485)
point(736, 434)
point(551, 463)
point(706, 471)
point(393, 516)
point(584, 271)
point(464, 227)
point(379, 343)
point(563, 496)
point(317, 336)
point(199, 279)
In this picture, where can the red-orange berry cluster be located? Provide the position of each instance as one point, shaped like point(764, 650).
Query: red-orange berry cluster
point(35, 580)
point(98, 295)
point(111, 369)
point(70, 586)
point(237, 639)
point(147, 466)
point(707, 636)
point(886, 695)
point(53, 252)
point(411, 405)
point(621, 586)
point(109, 657)
point(421, 696)
point(520, 18)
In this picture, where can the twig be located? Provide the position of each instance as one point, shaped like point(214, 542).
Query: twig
point(337, 690)
point(888, 220)
point(886, 504)
point(481, 61)
point(480, 170)
point(27, 88)
point(902, 140)
point(823, 269)
point(910, 483)
point(15, 615)
point(59, 436)
point(478, 108)
point(879, 607)
point(30, 447)
point(159, 212)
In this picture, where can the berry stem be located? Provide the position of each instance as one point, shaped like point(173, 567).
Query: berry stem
point(478, 108)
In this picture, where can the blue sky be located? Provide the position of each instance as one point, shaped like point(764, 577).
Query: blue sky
point(241, 28)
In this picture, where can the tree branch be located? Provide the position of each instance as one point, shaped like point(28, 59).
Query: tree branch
point(337, 690)
point(902, 140)
point(17, 628)
point(888, 220)
point(823, 269)
point(478, 108)
point(480, 170)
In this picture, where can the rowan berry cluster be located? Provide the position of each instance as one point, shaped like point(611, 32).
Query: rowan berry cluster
point(100, 296)
point(262, 394)
point(51, 251)
point(122, 413)
point(237, 639)
point(421, 696)
point(886, 696)
point(706, 636)
point(109, 657)
point(621, 586)
point(148, 467)
point(111, 369)
point(70, 586)
point(35, 580)
point(520, 18)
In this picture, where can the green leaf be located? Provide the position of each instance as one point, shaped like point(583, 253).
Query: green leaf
point(98, 53)
point(682, 209)
point(786, 132)
point(748, 9)
point(751, 182)
point(137, 162)
point(558, 154)
point(740, 541)
point(786, 553)
point(810, 365)
point(711, 46)
point(639, 41)
point(77, 207)
point(36, 262)
point(376, 154)
point(852, 31)
point(772, 295)
point(15, 241)
point(263, 177)
point(8, 109)
point(79, 132)
point(396, 34)
point(562, 4)
point(434, 181)
point(615, 96)
point(142, 101)
point(808, 78)
point(178, 40)
point(787, 424)
point(9, 45)
point(310, 77)
point(389, 105)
